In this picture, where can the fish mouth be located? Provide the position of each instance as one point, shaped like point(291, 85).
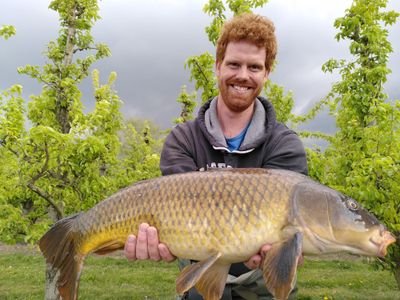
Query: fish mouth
point(385, 239)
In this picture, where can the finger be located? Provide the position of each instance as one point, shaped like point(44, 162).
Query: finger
point(264, 249)
point(152, 243)
point(130, 248)
point(165, 254)
point(254, 262)
point(141, 243)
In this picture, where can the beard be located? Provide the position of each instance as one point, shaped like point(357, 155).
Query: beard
point(238, 100)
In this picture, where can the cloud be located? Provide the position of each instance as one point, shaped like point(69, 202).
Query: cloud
point(150, 41)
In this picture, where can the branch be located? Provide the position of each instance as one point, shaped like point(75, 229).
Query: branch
point(44, 167)
point(316, 135)
point(201, 70)
point(40, 192)
point(83, 49)
point(45, 196)
point(3, 143)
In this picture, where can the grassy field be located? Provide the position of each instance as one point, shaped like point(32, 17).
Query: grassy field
point(22, 277)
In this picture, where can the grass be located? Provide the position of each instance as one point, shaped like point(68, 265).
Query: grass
point(345, 279)
point(22, 277)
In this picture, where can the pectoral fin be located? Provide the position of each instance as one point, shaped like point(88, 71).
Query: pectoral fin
point(208, 276)
point(280, 266)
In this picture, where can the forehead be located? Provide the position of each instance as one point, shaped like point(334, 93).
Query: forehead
point(244, 50)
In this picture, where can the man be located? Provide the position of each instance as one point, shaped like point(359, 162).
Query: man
point(236, 129)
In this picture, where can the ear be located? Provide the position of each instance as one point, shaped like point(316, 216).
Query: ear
point(266, 75)
point(217, 67)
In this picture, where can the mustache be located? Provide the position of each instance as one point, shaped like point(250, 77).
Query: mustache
point(244, 82)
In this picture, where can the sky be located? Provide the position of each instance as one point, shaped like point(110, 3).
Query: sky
point(151, 39)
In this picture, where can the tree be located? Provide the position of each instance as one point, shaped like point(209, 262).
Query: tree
point(363, 158)
point(64, 146)
point(65, 161)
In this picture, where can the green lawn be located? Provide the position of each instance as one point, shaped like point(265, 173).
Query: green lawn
point(22, 277)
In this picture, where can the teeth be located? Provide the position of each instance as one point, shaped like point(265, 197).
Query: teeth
point(240, 88)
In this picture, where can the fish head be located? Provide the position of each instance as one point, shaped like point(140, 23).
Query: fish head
point(354, 226)
point(336, 222)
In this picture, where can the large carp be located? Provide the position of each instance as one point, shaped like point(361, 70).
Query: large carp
point(218, 218)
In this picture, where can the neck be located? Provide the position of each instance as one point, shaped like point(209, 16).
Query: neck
point(232, 123)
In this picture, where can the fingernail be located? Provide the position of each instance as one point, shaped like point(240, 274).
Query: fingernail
point(143, 227)
point(131, 239)
point(151, 231)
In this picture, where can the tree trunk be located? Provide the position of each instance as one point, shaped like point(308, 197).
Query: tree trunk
point(63, 107)
point(397, 277)
point(396, 259)
point(51, 291)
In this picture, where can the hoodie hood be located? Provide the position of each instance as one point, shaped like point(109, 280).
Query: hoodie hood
point(260, 126)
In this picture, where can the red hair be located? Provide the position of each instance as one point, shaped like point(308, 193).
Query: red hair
point(253, 28)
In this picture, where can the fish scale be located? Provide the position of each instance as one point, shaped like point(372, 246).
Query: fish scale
point(186, 202)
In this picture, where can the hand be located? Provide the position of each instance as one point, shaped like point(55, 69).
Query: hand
point(147, 246)
point(255, 261)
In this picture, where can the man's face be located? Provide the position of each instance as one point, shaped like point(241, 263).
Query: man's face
point(241, 75)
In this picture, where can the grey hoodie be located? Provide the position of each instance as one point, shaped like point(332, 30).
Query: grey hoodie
point(200, 144)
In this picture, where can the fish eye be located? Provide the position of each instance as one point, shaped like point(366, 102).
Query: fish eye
point(351, 204)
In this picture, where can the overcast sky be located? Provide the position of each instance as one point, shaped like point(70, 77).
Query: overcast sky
point(151, 39)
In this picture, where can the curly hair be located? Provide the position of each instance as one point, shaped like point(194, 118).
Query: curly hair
point(252, 28)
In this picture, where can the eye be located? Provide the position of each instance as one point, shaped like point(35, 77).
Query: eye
point(255, 68)
point(351, 204)
point(233, 65)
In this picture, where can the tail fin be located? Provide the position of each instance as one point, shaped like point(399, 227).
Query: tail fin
point(58, 246)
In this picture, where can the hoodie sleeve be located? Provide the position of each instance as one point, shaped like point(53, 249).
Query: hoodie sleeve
point(287, 153)
point(175, 155)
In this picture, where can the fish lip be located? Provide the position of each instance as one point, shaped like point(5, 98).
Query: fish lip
point(387, 239)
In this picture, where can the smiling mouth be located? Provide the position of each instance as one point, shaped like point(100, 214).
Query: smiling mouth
point(240, 88)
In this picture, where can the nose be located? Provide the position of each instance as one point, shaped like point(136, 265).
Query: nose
point(243, 73)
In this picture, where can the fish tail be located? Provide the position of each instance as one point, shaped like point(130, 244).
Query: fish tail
point(59, 247)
